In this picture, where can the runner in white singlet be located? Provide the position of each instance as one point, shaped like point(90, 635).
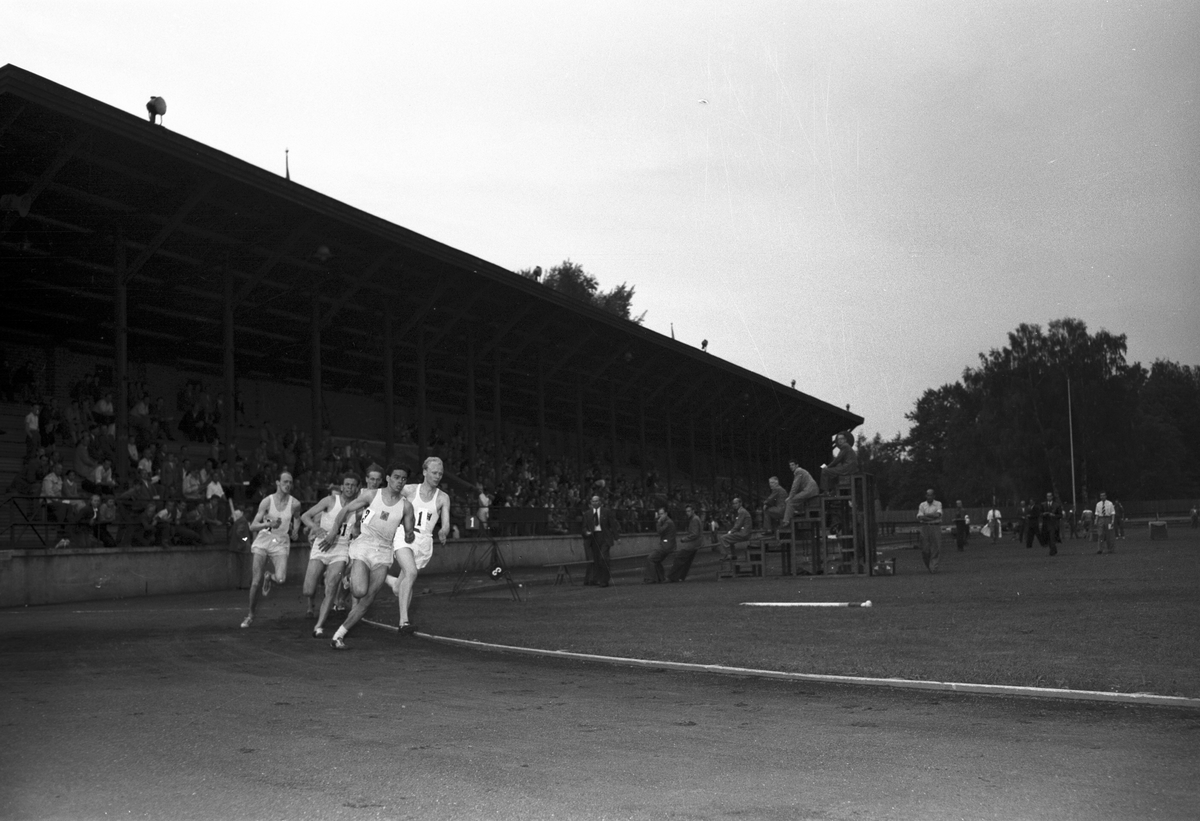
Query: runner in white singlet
point(385, 513)
point(330, 552)
point(431, 506)
point(275, 525)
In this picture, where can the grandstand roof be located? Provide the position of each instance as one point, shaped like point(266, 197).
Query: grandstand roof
point(89, 182)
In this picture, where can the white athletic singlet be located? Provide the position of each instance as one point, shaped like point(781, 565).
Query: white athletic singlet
point(425, 514)
point(278, 538)
point(380, 521)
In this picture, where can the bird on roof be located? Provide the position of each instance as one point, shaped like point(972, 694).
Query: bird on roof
point(157, 107)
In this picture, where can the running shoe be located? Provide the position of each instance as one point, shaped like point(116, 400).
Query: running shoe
point(407, 629)
point(338, 644)
point(318, 632)
point(246, 622)
point(266, 587)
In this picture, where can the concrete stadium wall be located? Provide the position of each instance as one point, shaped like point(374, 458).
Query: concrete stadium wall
point(32, 577)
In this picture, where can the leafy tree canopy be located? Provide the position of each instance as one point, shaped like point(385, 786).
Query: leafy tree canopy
point(570, 279)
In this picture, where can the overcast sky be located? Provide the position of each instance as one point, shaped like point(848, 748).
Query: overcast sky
point(861, 197)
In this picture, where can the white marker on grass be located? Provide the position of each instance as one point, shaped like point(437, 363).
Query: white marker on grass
point(866, 603)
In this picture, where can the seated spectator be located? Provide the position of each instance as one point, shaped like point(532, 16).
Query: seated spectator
point(193, 491)
point(144, 531)
point(73, 420)
point(52, 500)
point(90, 523)
point(843, 464)
point(49, 423)
point(774, 506)
point(85, 462)
point(135, 501)
point(103, 412)
point(102, 480)
point(72, 492)
point(738, 534)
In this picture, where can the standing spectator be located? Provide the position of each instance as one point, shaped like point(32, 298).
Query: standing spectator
point(52, 498)
point(1195, 517)
point(49, 423)
point(1085, 521)
point(993, 522)
point(929, 516)
point(1050, 531)
point(600, 533)
point(33, 431)
point(774, 507)
point(1033, 523)
point(1119, 519)
point(1106, 513)
point(738, 534)
point(962, 526)
point(484, 509)
point(688, 544)
point(655, 574)
point(89, 521)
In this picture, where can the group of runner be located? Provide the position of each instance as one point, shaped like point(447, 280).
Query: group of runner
point(356, 537)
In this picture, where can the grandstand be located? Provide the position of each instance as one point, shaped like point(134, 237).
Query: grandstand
point(145, 260)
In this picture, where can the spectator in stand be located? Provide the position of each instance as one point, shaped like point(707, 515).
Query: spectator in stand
point(687, 544)
point(90, 523)
point(102, 480)
point(56, 508)
point(103, 412)
point(33, 431)
point(73, 423)
point(665, 526)
point(803, 489)
point(24, 382)
point(72, 492)
point(49, 423)
point(170, 477)
point(136, 499)
point(193, 491)
point(483, 512)
point(738, 534)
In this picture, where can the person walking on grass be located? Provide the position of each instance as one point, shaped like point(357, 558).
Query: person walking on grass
point(1106, 531)
point(929, 517)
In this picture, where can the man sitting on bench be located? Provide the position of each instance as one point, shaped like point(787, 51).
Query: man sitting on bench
point(738, 534)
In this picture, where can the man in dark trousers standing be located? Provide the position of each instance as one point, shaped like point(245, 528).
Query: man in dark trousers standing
point(600, 533)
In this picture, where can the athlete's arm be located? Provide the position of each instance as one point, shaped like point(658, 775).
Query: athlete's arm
point(443, 516)
point(407, 521)
point(309, 517)
point(295, 518)
point(260, 522)
point(357, 504)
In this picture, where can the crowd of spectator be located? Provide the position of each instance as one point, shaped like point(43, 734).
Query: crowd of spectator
point(181, 490)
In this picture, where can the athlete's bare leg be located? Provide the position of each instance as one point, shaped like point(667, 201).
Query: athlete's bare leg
point(364, 584)
point(256, 576)
point(408, 577)
point(311, 579)
point(333, 583)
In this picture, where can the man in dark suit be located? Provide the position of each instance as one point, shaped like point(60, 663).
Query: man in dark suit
point(600, 533)
point(654, 573)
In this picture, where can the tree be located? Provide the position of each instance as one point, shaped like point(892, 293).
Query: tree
point(570, 279)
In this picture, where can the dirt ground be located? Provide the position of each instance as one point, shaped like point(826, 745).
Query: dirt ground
point(163, 708)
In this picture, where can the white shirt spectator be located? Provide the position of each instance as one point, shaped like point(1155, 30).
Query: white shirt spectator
point(1105, 508)
point(52, 486)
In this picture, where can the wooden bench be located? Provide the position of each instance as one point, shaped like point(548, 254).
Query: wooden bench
point(563, 569)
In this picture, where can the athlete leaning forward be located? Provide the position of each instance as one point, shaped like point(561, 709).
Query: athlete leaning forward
point(387, 520)
point(328, 555)
point(275, 525)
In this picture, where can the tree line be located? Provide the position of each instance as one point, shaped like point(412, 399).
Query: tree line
point(1004, 431)
point(569, 279)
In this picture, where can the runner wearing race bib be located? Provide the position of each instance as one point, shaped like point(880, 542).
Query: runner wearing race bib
point(431, 507)
point(275, 525)
point(330, 551)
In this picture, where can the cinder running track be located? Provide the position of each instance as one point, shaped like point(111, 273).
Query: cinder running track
point(163, 708)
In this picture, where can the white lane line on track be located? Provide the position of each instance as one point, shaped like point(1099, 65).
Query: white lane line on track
point(41, 612)
point(899, 683)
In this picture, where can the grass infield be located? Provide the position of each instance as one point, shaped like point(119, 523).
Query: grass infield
point(1126, 622)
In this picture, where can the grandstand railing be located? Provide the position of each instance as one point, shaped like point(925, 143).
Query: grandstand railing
point(25, 520)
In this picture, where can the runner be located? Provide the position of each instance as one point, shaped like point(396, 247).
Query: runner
point(371, 552)
point(374, 481)
point(323, 558)
point(276, 525)
point(431, 506)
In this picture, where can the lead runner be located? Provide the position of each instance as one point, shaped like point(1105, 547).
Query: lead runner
point(371, 551)
point(431, 506)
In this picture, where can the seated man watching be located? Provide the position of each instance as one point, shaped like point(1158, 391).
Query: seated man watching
point(738, 534)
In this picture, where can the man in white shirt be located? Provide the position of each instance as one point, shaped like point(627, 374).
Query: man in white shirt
point(929, 516)
point(1105, 524)
point(993, 523)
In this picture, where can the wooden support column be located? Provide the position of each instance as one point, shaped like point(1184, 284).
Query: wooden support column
point(121, 361)
point(472, 471)
point(228, 364)
point(670, 454)
point(612, 429)
point(579, 425)
point(422, 411)
point(389, 387)
point(497, 456)
point(643, 456)
point(541, 418)
point(712, 444)
point(692, 450)
point(315, 390)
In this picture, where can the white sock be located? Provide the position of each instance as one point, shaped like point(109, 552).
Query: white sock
point(394, 583)
point(341, 633)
